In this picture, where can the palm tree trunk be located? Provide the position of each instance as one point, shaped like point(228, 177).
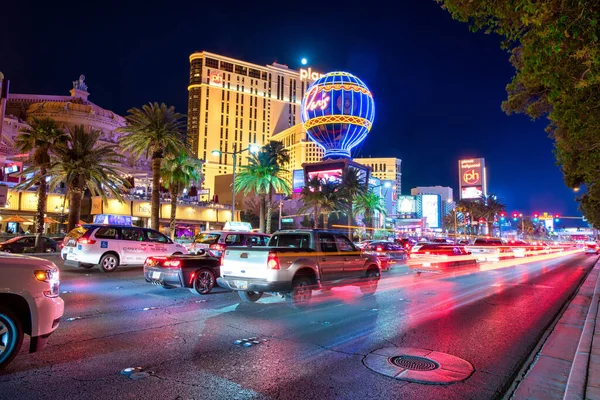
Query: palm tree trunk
point(42, 193)
point(315, 217)
point(75, 195)
point(369, 223)
point(173, 215)
point(261, 223)
point(349, 215)
point(269, 212)
point(325, 220)
point(156, 161)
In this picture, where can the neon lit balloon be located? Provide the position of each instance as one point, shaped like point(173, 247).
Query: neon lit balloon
point(337, 113)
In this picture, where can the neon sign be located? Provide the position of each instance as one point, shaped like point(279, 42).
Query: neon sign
point(471, 177)
point(216, 78)
point(309, 74)
point(312, 103)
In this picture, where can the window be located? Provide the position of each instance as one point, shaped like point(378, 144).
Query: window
point(158, 237)
point(327, 243)
point(28, 241)
point(207, 238)
point(225, 66)
point(344, 244)
point(234, 240)
point(133, 234)
point(256, 240)
point(106, 233)
point(211, 63)
point(254, 73)
point(298, 241)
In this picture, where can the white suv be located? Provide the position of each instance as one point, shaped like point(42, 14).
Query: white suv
point(29, 303)
point(109, 246)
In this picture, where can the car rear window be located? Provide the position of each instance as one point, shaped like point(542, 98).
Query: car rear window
point(74, 234)
point(299, 241)
point(207, 238)
point(106, 233)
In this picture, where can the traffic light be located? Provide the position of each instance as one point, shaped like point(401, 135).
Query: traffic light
point(515, 216)
point(502, 216)
point(556, 217)
point(536, 217)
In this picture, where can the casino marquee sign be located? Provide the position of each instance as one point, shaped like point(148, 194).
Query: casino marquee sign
point(472, 178)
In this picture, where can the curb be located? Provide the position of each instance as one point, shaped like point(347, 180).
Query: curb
point(560, 367)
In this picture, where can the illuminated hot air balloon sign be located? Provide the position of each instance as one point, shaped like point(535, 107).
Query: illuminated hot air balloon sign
point(337, 113)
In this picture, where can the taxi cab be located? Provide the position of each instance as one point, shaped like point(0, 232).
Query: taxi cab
point(233, 234)
point(109, 246)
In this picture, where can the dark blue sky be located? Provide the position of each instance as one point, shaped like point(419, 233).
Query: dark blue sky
point(437, 86)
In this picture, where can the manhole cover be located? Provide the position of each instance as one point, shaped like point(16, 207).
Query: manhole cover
point(414, 363)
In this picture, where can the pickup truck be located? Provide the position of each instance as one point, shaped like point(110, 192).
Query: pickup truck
point(294, 263)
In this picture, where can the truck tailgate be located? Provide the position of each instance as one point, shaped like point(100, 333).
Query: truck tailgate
point(247, 262)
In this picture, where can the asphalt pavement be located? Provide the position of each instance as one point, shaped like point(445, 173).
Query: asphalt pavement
point(492, 315)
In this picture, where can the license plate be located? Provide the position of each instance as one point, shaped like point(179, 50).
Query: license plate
point(241, 284)
point(155, 275)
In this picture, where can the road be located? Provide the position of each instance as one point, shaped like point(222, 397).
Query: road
point(491, 315)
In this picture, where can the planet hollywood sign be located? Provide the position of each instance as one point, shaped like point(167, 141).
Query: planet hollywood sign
point(309, 75)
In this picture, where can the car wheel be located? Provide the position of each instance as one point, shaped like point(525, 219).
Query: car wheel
point(11, 337)
point(250, 297)
point(301, 291)
point(369, 286)
point(204, 282)
point(109, 262)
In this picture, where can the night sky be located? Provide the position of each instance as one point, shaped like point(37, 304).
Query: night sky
point(437, 86)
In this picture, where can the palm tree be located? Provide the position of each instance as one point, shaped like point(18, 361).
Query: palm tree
point(353, 185)
point(39, 140)
point(156, 131)
point(261, 176)
point(83, 162)
point(178, 172)
point(470, 209)
point(367, 205)
point(279, 157)
point(324, 198)
point(492, 207)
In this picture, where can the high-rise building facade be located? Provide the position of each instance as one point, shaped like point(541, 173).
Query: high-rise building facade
point(386, 169)
point(444, 192)
point(233, 104)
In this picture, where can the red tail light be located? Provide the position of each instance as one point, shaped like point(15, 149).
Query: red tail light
point(216, 246)
point(273, 261)
point(83, 240)
point(172, 264)
point(379, 249)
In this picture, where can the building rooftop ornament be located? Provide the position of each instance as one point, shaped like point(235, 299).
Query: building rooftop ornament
point(80, 84)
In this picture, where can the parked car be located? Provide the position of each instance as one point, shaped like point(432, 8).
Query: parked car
point(296, 262)
point(592, 248)
point(387, 253)
point(109, 246)
point(29, 303)
point(217, 241)
point(437, 257)
point(26, 244)
point(197, 272)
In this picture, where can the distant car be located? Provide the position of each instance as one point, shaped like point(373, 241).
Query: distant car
point(26, 244)
point(437, 257)
point(388, 253)
point(361, 245)
point(442, 240)
point(592, 248)
point(196, 272)
point(217, 241)
point(109, 246)
point(407, 243)
point(29, 303)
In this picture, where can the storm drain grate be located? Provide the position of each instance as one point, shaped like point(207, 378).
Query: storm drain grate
point(414, 363)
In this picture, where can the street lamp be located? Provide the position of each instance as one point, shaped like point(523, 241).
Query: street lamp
point(252, 148)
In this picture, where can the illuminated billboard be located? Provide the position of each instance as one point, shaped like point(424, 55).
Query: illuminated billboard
point(431, 209)
point(297, 180)
point(330, 175)
point(407, 205)
point(472, 178)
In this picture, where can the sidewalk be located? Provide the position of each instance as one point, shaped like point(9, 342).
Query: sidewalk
point(568, 364)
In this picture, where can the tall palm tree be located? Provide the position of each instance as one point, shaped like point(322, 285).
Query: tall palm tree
point(367, 205)
point(491, 207)
point(471, 209)
point(178, 172)
point(323, 198)
point(261, 176)
point(156, 131)
point(39, 140)
point(279, 157)
point(83, 162)
point(353, 185)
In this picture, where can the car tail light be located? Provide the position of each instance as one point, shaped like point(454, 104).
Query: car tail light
point(273, 261)
point(216, 246)
point(83, 240)
point(172, 264)
point(379, 249)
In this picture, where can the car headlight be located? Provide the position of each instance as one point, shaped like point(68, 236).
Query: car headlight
point(50, 276)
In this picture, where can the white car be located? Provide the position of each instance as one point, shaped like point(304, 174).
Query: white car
point(109, 246)
point(29, 303)
point(592, 248)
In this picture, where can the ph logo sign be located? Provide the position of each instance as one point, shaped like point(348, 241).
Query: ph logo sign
point(471, 177)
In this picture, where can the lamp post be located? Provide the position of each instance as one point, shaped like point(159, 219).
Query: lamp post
point(253, 148)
